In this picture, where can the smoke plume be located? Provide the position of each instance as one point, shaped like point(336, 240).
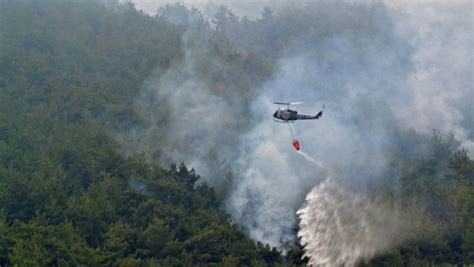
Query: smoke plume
point(379, 69)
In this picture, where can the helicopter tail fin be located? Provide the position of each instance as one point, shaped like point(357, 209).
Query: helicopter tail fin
point(320, 114)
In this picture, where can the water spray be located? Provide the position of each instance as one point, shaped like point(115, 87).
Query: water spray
point(311, 159)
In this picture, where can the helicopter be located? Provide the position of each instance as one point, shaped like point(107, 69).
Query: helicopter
point(288, 115)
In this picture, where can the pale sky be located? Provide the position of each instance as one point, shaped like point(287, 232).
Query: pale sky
point(250, 8)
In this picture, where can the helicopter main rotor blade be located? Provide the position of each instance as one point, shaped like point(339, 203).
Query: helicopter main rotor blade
point(287, 103)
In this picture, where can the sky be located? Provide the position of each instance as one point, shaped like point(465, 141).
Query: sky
point(249, 8)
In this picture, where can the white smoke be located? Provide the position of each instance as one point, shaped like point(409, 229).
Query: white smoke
point(341, 227)
point(443, 76)
point(378, 68)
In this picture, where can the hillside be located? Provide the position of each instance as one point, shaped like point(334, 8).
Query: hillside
point(69, 71)
point(90, 153)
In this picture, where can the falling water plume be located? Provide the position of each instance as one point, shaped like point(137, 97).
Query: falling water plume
point(343, 227)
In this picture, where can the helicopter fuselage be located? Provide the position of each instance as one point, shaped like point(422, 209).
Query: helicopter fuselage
point(286, 115)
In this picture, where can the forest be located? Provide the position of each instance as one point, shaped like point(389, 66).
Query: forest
point(76, 190)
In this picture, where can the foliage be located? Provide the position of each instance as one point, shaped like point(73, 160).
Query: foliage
point(69, 73)
point(439, 182)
